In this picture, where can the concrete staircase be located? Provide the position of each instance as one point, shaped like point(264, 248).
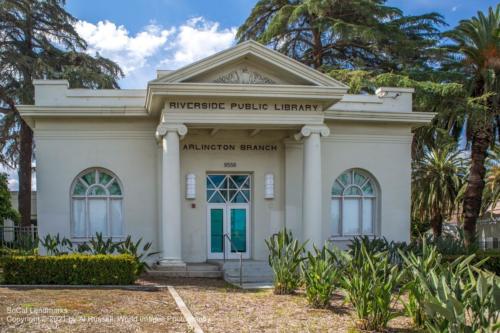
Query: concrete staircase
point(255, 272)
point(201, 270)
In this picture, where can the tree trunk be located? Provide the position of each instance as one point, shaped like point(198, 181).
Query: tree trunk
point(317, 49)
point(437, 225)
point(475, 184)
point(24, 173)
point(25, 132)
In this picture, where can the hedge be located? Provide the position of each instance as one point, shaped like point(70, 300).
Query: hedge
point(6, 252)
point(70, 269)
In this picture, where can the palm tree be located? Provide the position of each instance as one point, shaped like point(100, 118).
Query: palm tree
point(477, 46)
point(437, 179)
point(491, 195)
point(364, 34)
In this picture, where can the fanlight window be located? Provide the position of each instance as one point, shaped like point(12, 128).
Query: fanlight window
point(353, 206)
point(97, 204)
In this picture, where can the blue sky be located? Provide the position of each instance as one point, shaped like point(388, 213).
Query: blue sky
point(143, 35)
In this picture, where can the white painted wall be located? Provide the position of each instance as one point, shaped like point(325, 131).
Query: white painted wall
point(267, 215)
point(383, 151)
point(127, 148)
point(64, 148)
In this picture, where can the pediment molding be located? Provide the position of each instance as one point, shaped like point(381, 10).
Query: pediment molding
point(258, 53)
point(243, 75)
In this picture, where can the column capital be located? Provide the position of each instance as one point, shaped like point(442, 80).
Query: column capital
point(307, 130)
point(164, 128)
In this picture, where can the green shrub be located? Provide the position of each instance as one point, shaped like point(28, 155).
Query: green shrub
point(6, 252)
point(370, 282)
point(285, 256)
point(461, 298)
point(492, 263)
point(70, 269)
point(425, 261)
point(451, 294)
point(55, 245)
point(374, 245)
point(321, 275)
point(134, 249)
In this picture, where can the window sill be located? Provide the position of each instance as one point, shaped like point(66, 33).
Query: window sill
point(348, 238)
point(77, 240)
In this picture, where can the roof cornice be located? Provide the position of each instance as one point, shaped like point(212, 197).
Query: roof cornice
point(80, 111)
point(326, 96)
point(413, 118)
point(258, 50)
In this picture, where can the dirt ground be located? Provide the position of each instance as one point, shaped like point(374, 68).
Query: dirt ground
point(216, 305)
point(84, 310)
point(219, 307)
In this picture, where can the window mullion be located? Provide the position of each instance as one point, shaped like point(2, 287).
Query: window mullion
point(360, 221)
point(341, 216)
point(87, 217)
point(108, 216)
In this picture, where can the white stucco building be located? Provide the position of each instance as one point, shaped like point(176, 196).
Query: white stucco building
point(243, 143)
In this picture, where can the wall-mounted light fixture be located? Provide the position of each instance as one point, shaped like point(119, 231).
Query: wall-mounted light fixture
point(190, 186)
point(269, 186)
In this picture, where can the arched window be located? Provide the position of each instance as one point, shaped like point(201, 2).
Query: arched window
point(96, 204)
point(354, 204)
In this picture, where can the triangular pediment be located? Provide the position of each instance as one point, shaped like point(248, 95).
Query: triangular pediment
point(249, 63)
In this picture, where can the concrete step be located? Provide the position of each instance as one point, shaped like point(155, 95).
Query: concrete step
point(192, 274)
point(261, 279)
point(188, 267)
point(250, 270)
point(254, 272)
point(197, 270)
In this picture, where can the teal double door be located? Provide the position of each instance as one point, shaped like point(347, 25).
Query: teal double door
point(228, 215)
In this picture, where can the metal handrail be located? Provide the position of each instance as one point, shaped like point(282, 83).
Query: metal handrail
point(226, 235)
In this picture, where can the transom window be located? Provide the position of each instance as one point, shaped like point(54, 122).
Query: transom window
point(97, 204)
point(228, 188)
point(353, 206)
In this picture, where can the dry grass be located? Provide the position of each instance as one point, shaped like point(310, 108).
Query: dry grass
point(219, 307)
point(88, 310)
point(216, 305)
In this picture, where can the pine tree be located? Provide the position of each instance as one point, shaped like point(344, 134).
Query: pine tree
point(38, 41)
point(359, 34)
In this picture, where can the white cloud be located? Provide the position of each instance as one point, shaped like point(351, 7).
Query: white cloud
point(197, 39)
point(155, 47)
point(13, 183)
point(115, 42)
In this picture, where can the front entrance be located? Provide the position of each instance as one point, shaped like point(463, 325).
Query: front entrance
point(228, 215)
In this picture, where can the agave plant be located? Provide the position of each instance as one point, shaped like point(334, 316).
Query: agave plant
point(428, 259)
point(371, 281)
point(135, 250)
point(374, 245)
point(321, 276)
point(98, 245)
point(285, 256)
point(461, 298)
point(54, 245)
